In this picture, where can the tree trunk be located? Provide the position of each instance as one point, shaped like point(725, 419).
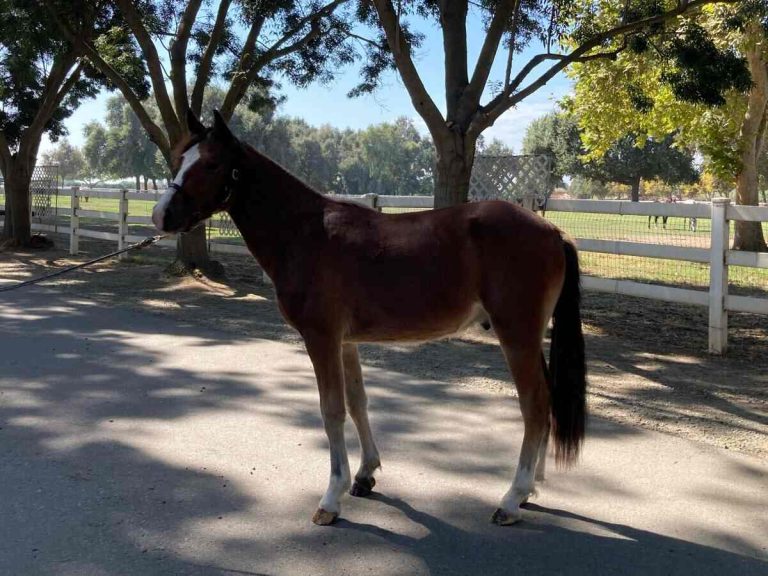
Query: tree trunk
point(749, 235)
point(18, 219)
point(455, 158)
point(137, 179)
point(192, 249)
point(635, 194)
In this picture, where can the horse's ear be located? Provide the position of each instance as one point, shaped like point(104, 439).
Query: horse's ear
point(220, 128)
point(195, 126)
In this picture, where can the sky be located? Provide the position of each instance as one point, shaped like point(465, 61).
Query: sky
point(328, 104)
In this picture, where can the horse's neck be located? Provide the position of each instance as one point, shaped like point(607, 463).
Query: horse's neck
point(273, 210)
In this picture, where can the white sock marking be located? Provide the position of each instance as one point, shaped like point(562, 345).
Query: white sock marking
point(187, 161)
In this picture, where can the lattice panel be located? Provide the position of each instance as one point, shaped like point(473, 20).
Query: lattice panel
point(511, 178)
point(43, 191)
point(225, 226)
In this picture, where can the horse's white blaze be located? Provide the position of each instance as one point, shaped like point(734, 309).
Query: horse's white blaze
point(187, 161)
point(158, 212)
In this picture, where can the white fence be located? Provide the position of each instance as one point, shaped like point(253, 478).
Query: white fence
point(718, 256)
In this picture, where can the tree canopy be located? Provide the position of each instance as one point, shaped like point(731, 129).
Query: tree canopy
point(567, 32)
point(707, 80)
point(624, 162)
point(44, 78)
point(243, 43)
point(67, 157)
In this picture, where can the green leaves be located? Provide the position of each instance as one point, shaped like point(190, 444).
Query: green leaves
point(701, 72)
point(691, 81)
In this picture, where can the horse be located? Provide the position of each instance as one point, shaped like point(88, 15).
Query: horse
point(656, 221)
point(664, 219)
point(345, 274)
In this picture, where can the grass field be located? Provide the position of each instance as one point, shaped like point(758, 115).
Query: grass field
point(578, 225)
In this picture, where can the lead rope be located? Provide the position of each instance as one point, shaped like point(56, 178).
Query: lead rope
point(137, 246)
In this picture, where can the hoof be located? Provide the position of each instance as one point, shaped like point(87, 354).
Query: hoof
point(504, 518)
point(324, 518)
point(363, 487)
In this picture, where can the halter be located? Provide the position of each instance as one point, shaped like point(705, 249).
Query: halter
point(229, 189)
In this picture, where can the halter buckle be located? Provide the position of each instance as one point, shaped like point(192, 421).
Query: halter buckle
point(235, 174)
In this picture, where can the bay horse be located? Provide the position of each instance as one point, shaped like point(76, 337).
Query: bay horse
point(345, 274)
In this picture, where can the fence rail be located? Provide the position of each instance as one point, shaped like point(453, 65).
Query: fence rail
point(717, 255)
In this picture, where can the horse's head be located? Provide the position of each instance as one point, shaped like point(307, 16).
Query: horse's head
point(206, 173)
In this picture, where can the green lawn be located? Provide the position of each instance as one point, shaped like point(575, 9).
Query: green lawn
point(651, 270)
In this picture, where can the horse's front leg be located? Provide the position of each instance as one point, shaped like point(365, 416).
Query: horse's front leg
point(325, 353)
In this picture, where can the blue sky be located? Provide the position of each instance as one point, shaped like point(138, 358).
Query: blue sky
point(328, 104)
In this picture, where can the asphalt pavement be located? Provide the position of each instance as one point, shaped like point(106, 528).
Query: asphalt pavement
point(133, 444)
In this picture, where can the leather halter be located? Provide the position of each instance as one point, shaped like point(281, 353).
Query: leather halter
point(229, 189)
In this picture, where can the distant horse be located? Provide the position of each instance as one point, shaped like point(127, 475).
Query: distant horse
point(664, 219)
point(346, 274)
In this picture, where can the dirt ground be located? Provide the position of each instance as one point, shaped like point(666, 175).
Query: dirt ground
point(648, 364)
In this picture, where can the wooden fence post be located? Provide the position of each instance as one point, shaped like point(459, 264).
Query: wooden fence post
point(718, 277)
point(74, 221)
point(122, 223)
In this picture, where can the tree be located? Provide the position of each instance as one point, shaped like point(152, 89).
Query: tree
point(68, 158)
point(43, 80)
point(242, 42)
point(569, 31)
point(715, 97)
point(399, 160)
point(495, 148)
point(95, 154)
point(557, 135)
point(129, 151)
point(626, 163)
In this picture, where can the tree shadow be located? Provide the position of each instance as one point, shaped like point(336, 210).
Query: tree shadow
point(98, 426)
point(81, 494)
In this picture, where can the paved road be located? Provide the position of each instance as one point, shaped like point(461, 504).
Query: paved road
point(131, 444)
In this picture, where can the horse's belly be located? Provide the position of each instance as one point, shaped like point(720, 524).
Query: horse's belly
point(377, 325)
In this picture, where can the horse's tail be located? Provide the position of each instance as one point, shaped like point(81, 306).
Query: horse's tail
point(568, 375)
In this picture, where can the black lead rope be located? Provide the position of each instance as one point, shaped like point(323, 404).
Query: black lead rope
point(138, 246)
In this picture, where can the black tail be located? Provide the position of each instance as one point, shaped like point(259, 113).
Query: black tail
point(568, 373)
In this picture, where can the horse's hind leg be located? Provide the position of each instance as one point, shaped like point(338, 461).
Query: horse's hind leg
point(530, 381)
point(541, 463)
point(357, 404)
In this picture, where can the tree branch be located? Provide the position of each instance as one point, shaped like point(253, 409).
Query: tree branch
point(178, 57)
point(474, 92)
point(513, 34)
point(206, 62)
point(56, 85)
point(509, 97)
point(170, 120)
point(248, 68)
point(235, 92)
point(453, 23)
point(420, 98)
point(156, 133)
